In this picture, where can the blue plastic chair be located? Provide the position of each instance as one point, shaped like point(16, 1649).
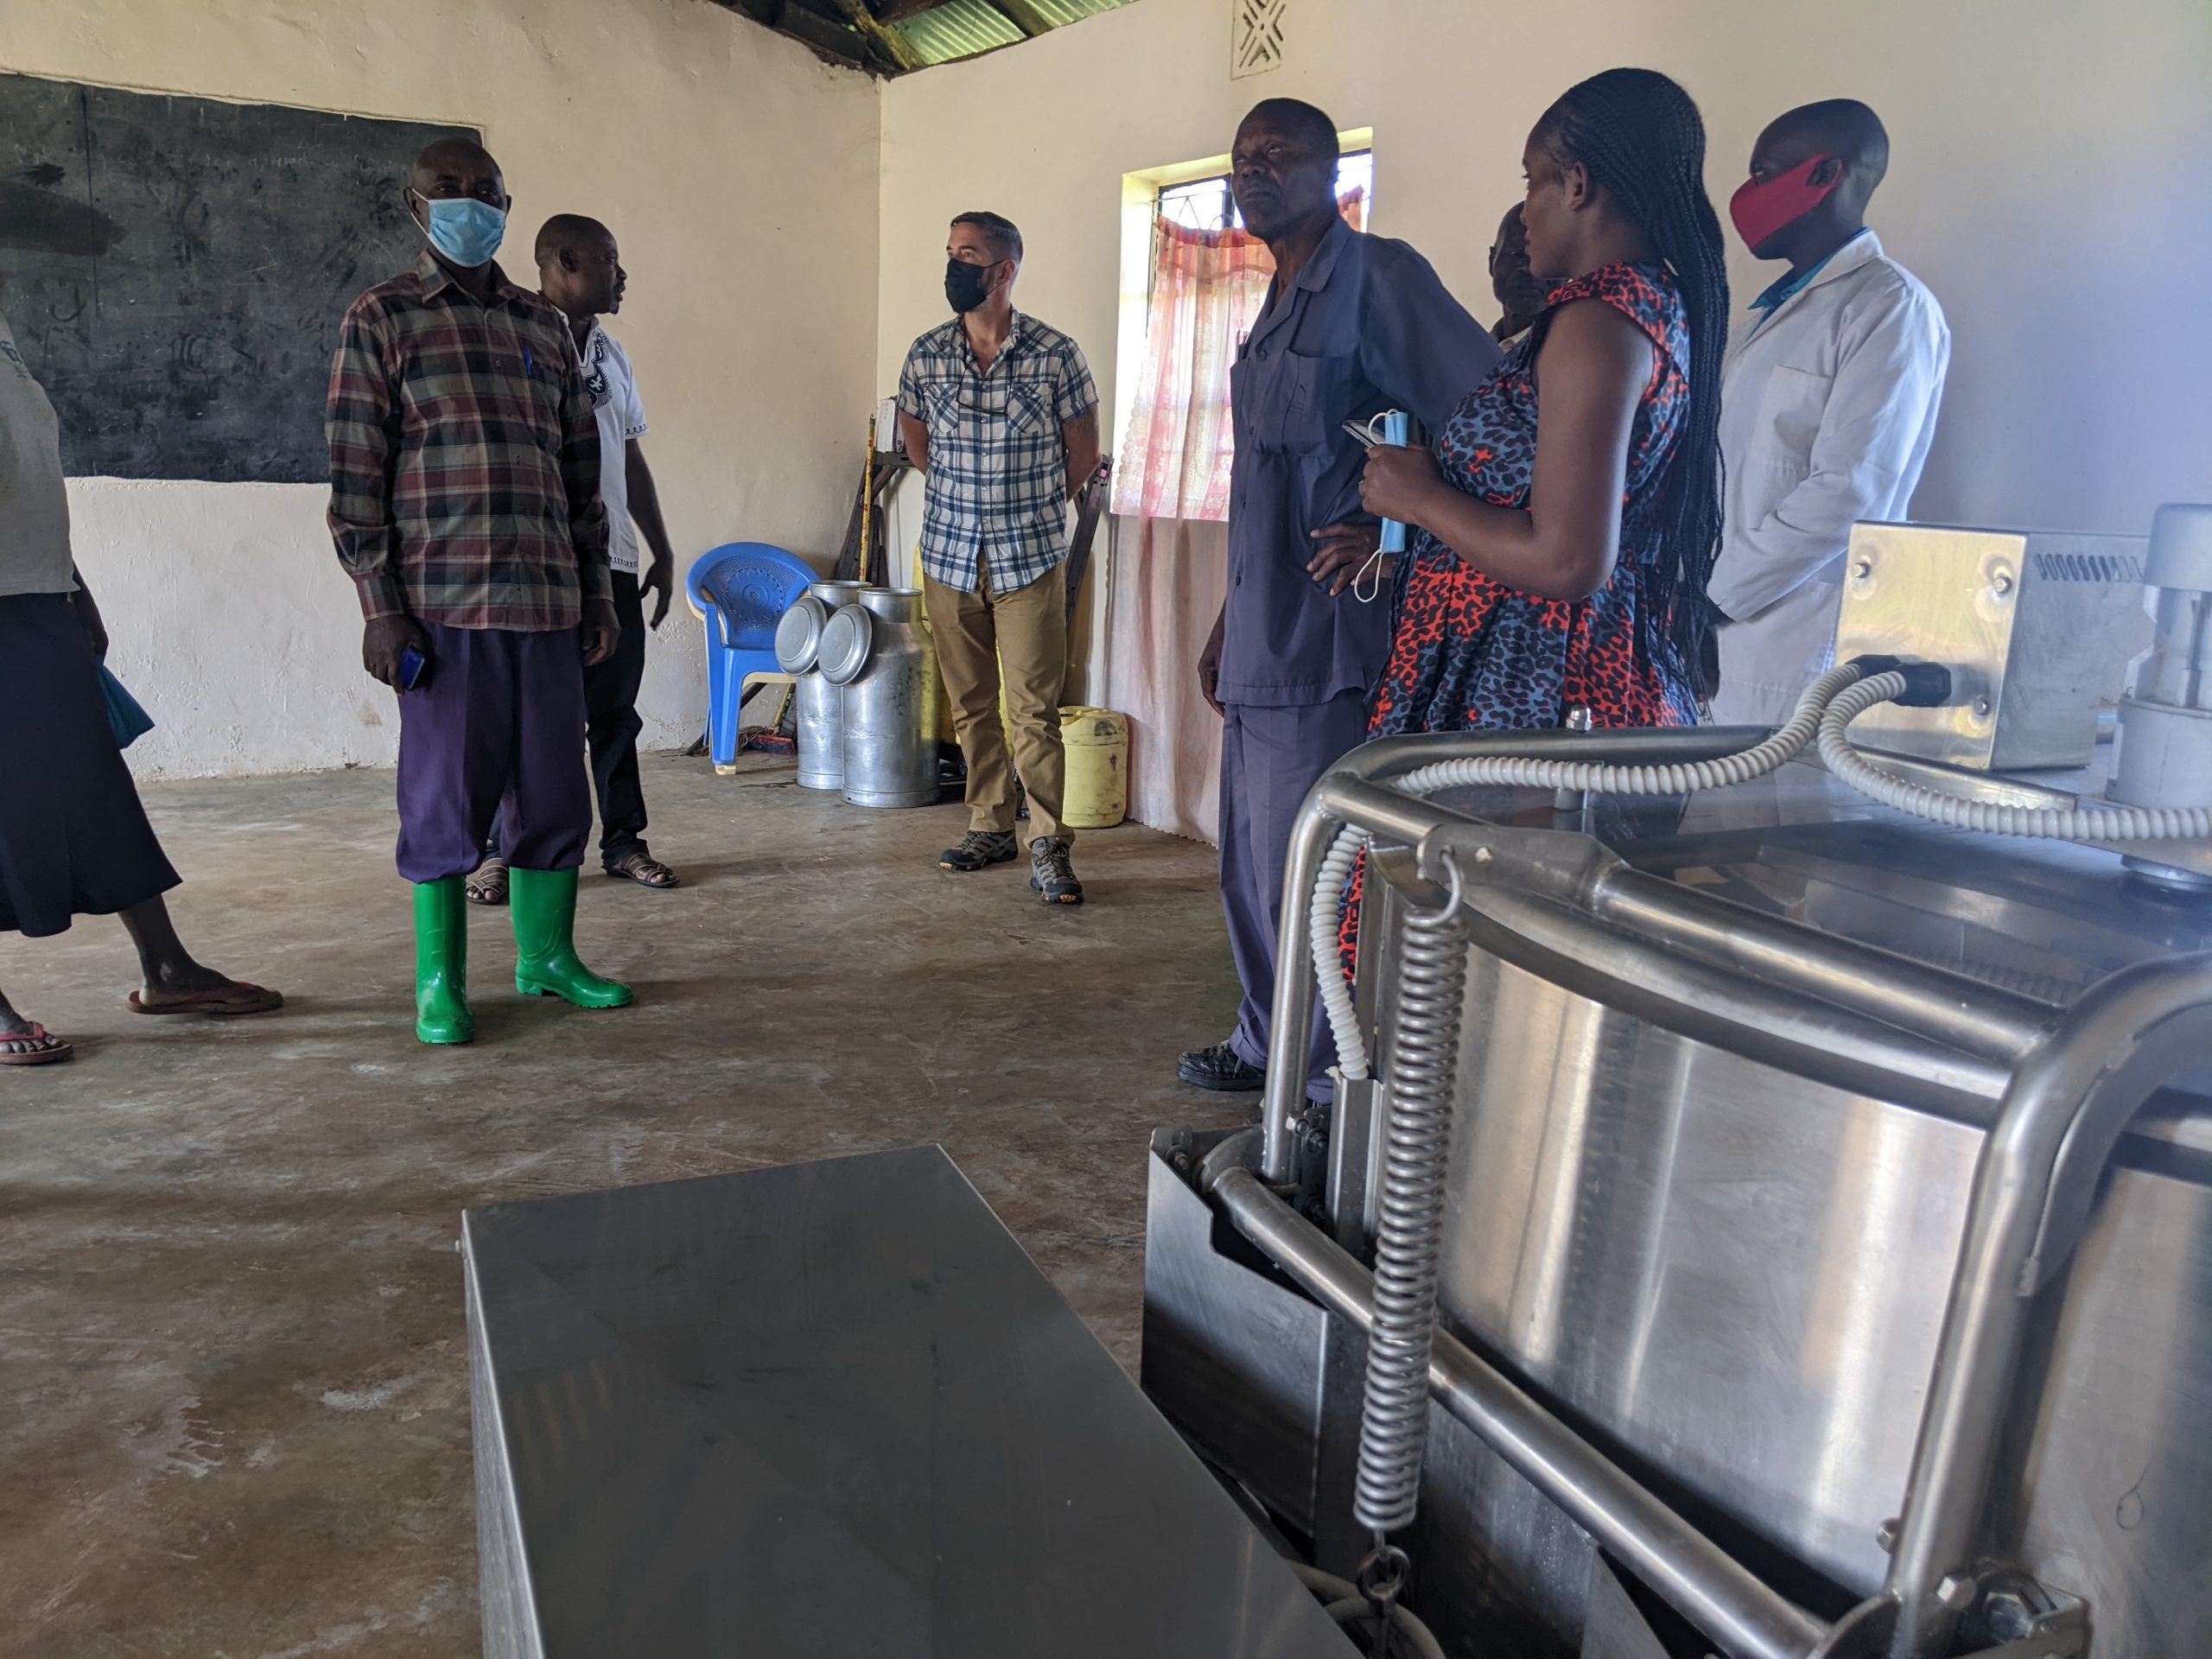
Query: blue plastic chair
point(742, 590)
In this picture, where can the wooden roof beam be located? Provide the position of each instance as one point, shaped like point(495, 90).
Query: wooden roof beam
point(888, 41)
point(1023, 15)
point(831, 41)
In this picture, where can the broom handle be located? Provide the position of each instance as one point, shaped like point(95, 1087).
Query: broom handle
point(867, 500)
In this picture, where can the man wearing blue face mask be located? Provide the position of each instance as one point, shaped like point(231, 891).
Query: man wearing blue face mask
point(1000, 411)
point(465, 503)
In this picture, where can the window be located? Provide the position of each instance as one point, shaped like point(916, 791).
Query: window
point(1207, 204)
point(1203, 279)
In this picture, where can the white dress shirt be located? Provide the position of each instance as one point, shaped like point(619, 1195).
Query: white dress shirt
point(613, 386)
point(1828, 407)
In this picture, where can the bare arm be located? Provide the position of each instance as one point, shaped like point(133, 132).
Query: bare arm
point(1081, 436)
point(1593, 369)
point(645, 508)
point(917, 437)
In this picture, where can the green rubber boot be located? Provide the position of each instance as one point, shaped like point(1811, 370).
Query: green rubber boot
point(544, 906)
point(442, 1012)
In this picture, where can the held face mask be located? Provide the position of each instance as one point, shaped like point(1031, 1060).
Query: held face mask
point(966, 286)
point(1763, 211)
point(467, 230)
point(1391, 540)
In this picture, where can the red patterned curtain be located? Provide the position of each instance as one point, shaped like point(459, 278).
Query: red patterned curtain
point(1207, 288)
point(1170, 561)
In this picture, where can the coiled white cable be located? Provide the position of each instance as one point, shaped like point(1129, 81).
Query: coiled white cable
point(1328, 978)
point(1677, 778)
point(1685, 778)
point(2048, 823)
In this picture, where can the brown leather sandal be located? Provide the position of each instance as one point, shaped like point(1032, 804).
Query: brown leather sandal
point(489, 885)
point(644, 869)
point(233, 1001)
point(45, 1049)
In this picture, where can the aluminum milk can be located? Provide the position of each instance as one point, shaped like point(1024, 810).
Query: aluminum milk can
point(818, 704)
point(879, 650)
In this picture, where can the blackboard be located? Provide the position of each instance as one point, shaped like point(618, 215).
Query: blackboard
point(175, 269)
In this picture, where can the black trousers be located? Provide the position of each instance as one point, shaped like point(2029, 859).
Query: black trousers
point(611, 728)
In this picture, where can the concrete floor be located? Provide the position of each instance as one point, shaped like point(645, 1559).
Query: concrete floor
point(235, 1421)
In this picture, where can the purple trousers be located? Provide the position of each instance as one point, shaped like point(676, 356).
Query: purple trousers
point(492, 732)
point(1269, 758)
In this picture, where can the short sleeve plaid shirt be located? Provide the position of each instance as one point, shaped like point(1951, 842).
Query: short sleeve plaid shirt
point(998, 478)
point(464, 457)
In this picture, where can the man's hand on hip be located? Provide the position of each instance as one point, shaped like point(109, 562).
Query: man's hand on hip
point(1341, 552)
point(601, 628)
point(1210, 668)
point(385, 641)
point(660, 580)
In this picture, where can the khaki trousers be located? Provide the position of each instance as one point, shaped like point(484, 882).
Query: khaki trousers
point(1027, 632)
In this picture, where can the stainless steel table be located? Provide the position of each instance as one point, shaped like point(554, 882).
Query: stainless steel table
point(831, 1409)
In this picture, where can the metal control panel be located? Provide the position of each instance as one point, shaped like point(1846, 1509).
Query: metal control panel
point(2037, 628)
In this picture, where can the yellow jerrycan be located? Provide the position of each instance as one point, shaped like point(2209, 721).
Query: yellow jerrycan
point(1097, 744)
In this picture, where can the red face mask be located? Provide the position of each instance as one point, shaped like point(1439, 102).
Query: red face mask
point(1763, 210)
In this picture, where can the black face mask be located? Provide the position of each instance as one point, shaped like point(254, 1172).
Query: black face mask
point(966, 286)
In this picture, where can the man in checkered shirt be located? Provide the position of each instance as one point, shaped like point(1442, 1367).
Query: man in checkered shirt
point(465, 505)
point(999, 412)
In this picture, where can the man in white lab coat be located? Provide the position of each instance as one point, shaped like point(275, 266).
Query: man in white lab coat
point(1828, 408)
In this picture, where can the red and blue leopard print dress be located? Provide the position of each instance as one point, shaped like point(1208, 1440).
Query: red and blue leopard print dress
point(1469, 653)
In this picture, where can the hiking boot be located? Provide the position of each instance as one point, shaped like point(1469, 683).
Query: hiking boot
point(979, 848)
point(1052, 877)
point(1220, 1069)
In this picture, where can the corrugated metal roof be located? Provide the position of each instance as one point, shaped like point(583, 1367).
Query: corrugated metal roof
point(1060, 13)
point(890, 37)
point(959, 28)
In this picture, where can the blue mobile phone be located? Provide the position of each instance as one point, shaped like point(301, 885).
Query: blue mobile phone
point(414, 668)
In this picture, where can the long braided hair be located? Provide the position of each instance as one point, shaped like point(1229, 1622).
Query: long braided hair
point(1640, 137)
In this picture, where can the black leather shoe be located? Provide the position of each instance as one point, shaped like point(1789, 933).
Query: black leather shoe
point(1220, 1069)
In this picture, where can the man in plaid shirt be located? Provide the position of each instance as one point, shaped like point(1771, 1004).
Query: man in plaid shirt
point(999, 412)
point(465, 503)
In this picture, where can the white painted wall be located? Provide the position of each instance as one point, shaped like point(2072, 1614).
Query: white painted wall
point(784, 225)
point(739, 174)
point(2048, 180)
